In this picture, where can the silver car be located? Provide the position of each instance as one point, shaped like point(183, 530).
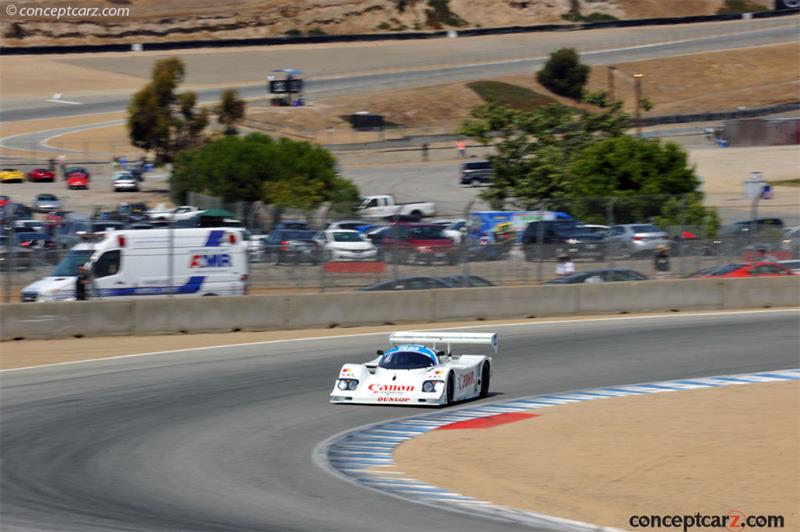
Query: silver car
point(628, 240)
point(46, 203)
point(125, 181)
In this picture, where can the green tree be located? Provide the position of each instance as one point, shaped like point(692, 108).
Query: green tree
point(231, 110)
point(256, 168)
point(564, 74)
point(576, 160)
point(533, 149)
point(161, 120)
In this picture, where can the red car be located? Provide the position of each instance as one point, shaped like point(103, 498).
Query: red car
point(4, 200)
point(41, 175)
point(77, 180)
point(417, 243)
point(751, 269)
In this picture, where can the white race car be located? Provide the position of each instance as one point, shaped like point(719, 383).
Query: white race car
point(415, 372)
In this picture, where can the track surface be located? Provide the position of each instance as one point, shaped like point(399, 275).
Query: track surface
point(337, 70)
point(221, 439)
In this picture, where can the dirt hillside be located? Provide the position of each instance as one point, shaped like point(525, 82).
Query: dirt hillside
point(160, 20)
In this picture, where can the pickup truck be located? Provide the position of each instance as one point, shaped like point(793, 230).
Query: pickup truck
point(180, 213)
point(384, 206)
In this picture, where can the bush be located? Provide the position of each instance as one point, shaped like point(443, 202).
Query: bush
point(564, 74)
point(315, 32)
point(294, 32)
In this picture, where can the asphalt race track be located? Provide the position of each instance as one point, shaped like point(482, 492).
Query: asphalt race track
point(221, 439)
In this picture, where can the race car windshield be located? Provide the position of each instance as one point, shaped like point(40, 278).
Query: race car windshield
point(405, 360)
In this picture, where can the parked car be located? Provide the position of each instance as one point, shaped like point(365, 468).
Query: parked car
point(601, 230)
point(345, 245)
point(77, 230)
point(296, 225)
point(750, 269)
point(476, 172)
point(460, 281)
point(292, 246)
point(132, 212)
point(631, 240)
point(41, 175)
point(46, 203)
point(407, 283)
point(4, 200)
point(11, 175)
point(354, 225)
point(561, 237)
point(417, 243)
point(384, 206)
point(78, 170)
point(125, 182)
point(77, 181)
point(793, 265)
point(600, 276)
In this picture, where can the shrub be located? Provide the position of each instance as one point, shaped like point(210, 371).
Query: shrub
point(564, 74)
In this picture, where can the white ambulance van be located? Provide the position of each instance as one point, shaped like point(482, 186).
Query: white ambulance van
point(135, 263)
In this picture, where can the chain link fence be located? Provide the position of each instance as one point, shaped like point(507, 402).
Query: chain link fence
point(291, 250)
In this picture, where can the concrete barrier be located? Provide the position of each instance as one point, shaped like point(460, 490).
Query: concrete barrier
point(302, 311)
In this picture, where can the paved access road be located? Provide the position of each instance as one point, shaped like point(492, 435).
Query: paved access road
point(353, 68)
point(221, 439)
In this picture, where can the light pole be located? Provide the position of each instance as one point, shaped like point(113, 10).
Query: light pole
point(637, 86)
point(611, 92)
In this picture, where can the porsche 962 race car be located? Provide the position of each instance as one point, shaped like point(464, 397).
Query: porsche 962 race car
point(419, 369)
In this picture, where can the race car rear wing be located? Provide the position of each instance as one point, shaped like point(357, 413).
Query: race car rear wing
point(433, 338)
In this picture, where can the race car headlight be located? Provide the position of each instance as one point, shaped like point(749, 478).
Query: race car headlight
point(430, 386)
point(347, 384)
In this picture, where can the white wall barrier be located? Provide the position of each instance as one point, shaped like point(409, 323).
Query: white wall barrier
point(301, 311)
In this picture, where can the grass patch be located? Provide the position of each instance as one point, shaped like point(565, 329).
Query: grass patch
point(508, 95)
point(787, 183)
point(737, 7)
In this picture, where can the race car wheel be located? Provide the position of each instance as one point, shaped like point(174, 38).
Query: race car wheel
point(451, 385)
point(486, 376)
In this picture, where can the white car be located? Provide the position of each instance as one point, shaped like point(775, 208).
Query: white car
point(420, 369)
point(345, 244)
point(125, 181)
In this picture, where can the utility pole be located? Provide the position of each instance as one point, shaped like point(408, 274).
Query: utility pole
point(637, 86)
point(611, 92)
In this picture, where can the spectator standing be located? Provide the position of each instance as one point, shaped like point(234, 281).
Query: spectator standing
point(564, 266)
point(462, 148)
point(82, 283)
point(661, 261)
point(62, 163)
point(425, 152)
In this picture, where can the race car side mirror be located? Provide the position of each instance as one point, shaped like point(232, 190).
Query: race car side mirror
point(379, 352)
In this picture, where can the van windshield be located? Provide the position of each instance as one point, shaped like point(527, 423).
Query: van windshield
point(68, 266)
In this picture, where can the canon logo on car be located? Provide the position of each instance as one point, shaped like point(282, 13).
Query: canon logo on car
point(391, 387)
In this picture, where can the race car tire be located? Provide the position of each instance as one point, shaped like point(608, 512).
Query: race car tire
point(451, 385)
point(486, 377)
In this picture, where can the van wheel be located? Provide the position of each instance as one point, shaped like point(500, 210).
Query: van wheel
point(209, 295)
point(416, 214)
point(486, 376)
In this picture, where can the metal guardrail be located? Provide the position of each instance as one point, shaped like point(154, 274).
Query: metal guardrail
point(373, 37)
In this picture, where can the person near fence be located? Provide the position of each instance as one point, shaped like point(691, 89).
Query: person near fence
point(462, 148)
point(661, 261)
point(425, 152)
point(564, 266)
point(82, 283)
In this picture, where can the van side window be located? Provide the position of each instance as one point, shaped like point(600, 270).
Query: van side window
point(107, 264)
